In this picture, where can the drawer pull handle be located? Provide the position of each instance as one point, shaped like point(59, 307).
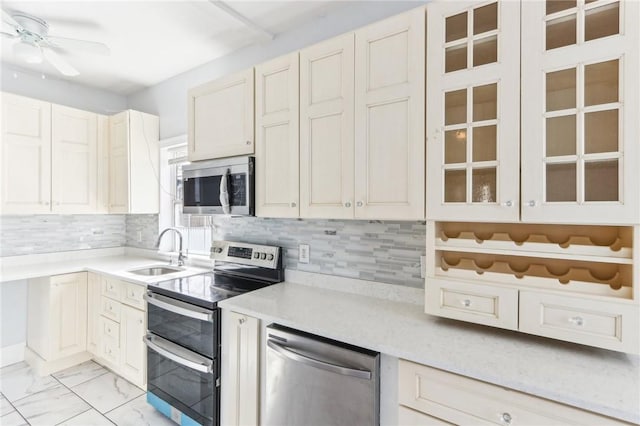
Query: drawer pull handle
point(579, 321)
point(466, 303)
point(241, 321)
point(506, 418)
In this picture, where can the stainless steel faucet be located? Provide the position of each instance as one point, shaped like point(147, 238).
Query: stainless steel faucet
point(181, 256)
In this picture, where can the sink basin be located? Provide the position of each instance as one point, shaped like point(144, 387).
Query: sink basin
point(156, 270)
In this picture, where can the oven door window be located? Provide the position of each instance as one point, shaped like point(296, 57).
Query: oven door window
point(205, 191)
point(191, 391)
point(194, 334)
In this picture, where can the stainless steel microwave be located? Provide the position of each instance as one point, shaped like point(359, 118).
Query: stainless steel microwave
point(224, 186)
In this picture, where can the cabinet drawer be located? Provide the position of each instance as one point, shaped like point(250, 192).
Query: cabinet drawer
point(592, 322)
point(110, 329)
point(478, 303)
point(110, 308)
point(409, 417)
point(133, 295)
point(461, 400)
point(111, 288)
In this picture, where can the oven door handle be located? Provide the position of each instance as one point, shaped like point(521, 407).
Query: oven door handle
point(203, 365)
point(178, 307)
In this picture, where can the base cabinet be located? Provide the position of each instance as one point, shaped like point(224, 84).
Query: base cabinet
point(240, 374)
point(428, 396)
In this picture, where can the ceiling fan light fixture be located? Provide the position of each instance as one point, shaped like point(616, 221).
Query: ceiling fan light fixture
point(30, 53)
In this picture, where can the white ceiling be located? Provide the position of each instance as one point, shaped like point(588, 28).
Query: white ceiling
point(151, 41)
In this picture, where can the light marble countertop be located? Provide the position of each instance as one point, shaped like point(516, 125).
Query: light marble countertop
point(594, 379)
point(113, 262)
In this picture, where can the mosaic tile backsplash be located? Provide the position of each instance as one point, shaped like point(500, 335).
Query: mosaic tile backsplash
point(385, 251)
point(32, 234)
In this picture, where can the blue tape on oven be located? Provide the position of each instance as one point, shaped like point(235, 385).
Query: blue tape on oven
point(165, 408)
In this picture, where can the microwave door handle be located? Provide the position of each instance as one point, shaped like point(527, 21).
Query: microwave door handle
point(224, 193)
point(167, 305)
point(205, 366)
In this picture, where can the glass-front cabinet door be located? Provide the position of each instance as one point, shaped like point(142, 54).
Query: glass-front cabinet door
point(580, 111)
point(473, 101)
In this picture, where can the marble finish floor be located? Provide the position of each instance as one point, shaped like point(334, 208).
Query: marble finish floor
point(85, 395)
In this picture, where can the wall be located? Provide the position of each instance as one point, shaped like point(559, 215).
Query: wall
point(31, 234)
point(169, 98)
point(142, 230)
point(28, 83)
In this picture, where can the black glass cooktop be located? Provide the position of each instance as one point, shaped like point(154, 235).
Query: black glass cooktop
point(207, 289)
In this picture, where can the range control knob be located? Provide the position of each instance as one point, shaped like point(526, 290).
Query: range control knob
point(219, 250)
point(256, 255)
point(270, 257)
point(263, 256)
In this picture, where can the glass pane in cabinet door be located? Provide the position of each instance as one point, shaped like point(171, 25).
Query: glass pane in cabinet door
point(554, 6)
point(485, 51)
point(561, 136)
point(455, 58)
point(455, 186)
point(561, 89)
point(601, 180)
point(485, 18)
point(455, 107)
point(561, 182)
point(561, 32)
point(485, 102)
point(601, 131)
point(484, 143)
point(601, 84)
point(602, 21)
point(484, 185)
point(455, 146)
point(456, 27)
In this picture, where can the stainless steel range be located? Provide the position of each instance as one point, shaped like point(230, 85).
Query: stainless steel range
point(183, 338)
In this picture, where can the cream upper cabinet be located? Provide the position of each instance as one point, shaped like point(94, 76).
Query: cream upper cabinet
point(220, 117)
point(103, 164)
point(326, 129)
point(473, 110)
point(74, 155)
point(277, 137)
point(580, 103)
point(389, 118)
point(25, 155)
point(134, 163)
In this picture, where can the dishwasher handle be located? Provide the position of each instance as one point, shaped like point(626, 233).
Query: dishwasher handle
point(338, 369)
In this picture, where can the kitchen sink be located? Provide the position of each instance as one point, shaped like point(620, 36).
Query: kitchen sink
point(156, 270)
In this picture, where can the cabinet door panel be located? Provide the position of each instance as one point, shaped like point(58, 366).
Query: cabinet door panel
point(580, 102)
point(277, 138)
point(132, 349)
point(68, 314)
point(221, 117)
point(473, 140)
point(93, 313)
point(389, 114)
point(119, 163)
point(25, 155)
point(74, 138)
point(326, 129)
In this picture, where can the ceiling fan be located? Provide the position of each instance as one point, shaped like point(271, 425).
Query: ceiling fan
point(34, 44)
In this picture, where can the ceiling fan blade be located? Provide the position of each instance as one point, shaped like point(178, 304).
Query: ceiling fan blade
point(59, 63)
point(84, 45)
point(9, 20)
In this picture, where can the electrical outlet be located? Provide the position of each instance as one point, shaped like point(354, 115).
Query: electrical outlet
point(139, 236)
point(423, 267)
point(303, 253)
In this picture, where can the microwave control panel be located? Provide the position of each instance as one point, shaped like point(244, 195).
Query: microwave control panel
point(246, 254)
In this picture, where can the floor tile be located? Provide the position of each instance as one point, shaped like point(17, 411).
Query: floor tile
point(19, 380)
point(138, 413)
point(88, 418)
point(107, 392)
point(51, 406)
point(80, 373)
point(5, 406)
point(13, 419)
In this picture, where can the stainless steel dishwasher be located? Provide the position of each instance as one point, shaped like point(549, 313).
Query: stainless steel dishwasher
point(312, 380)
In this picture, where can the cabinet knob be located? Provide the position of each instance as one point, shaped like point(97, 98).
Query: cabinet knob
point(579, 321)
point(466, 303)
point(248, 142)
point(241, 321)
point(506, 418)
point(508, 203)
point(347, 204)
point(531, 203)
point(140, 321)
point(359, 204)
point(293, 204)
